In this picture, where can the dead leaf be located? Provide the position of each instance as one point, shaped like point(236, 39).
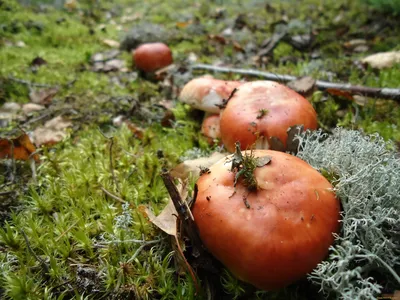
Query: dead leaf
point(20, 148)
point(360, 100)
point(183, 24)
point(43, 96)
point(11, 107)
point(218, 38)
point(168, 118)
point(238, 47)
point(71, 5)
point(336, 92)
point(383, 59)
point(166, 220)
point(31, 107)
point(52, 132)
point(136, 130)
point(111, 43)
point(303, 86)
point(354, 43)
point(193, 166)
point(58, 123)
point(6, 118)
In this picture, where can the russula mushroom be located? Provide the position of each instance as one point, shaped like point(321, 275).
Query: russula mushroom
point(150, 57)
point(261, 110)
point(207, 93)
point(269, 218)
point(210, 128)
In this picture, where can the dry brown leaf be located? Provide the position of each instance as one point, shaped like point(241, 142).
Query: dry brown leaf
point(31, 107)
point(303, 86)
point(192, 167)
point(52, 132)
point(383, 59)
point(183, 24)
point(43, 96)
point(19, 148)
point(166, 220)
point(341, 93)
point(136, 130)
point(111, 43)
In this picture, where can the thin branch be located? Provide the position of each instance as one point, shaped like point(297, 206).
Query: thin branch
point(112, 195)
point(6, 193)
point(43, 264)
point(137, 252)
point(66, 231)
point(384, 93)
point(112, 165)
point(129, 241)
point(188, 223)
point(188, 266)
point(29, 83)
point(43, 85)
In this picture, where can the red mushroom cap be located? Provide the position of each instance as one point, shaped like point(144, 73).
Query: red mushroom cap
point(260, 110)
point(210, 128)
point(207, 93)
point(152, 56)
point(274, 235)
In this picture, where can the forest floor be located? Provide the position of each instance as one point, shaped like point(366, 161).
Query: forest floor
point(73, 222)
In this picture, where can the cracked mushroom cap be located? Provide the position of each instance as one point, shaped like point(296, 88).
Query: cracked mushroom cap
point(261, 110)
point(206, 93)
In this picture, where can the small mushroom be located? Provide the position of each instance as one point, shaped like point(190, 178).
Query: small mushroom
point(207, 93)
point(263, 110)
point(150, 57)
point(210, 128)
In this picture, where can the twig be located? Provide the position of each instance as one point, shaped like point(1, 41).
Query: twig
point(29, 83)
point(137, 252)
point(32, 164)
point(43, 264)
point(128, 241)
point(111, 139)
point(272, 43)
point(188, 223)
point(112, 166)
point(188, 266)
point(6, 193)
point(43, 85)
point(384, 93)
point(66, 231)
point(112, 195)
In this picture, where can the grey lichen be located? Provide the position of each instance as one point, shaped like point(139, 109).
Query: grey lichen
point(367, 181)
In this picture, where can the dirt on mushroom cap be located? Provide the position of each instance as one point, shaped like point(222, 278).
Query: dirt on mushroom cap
point(242, 120)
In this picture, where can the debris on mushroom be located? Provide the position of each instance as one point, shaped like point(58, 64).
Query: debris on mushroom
point(263, 110)
point(150, 57)
point(207, 94)
point(268, 216)
point(210, 128)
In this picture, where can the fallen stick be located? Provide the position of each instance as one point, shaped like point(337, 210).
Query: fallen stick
point(384, 93)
